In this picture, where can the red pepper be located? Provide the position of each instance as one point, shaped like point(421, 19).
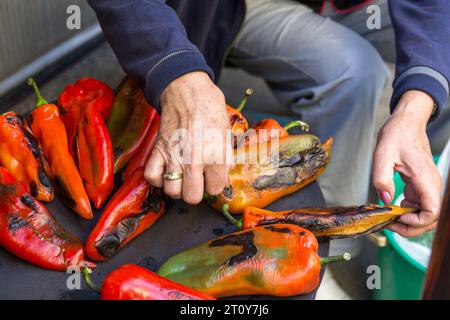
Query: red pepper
point(30, 232)
point(75, 97)
point(48, 127)
point(21, 154)
point(86, 104)
point(133, 209)
point(141, 158)
point(132, 282)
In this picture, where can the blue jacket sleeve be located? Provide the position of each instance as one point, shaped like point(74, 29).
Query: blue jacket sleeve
point(422, 29)
point(149, 41)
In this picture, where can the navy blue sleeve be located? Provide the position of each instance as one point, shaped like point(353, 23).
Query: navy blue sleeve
point(149, 41)
point(422, 29)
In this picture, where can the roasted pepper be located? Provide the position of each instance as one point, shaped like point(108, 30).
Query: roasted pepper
point(74, 99)
point(265, 176)
point(132, 209)
point(132, 282)
point(85, 105)
point(142, 156)
point(328, 223)
point(21, 154)
point(277, 260)
point(30, 232)
point(267, 129)
point(238, 123)
point(48, 128)
point(128, 122)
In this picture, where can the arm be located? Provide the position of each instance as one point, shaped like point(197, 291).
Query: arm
point(151, 44)
point(149, 41)
point(421, 84)
point(421, 35)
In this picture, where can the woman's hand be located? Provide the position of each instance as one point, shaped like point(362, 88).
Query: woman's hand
point(192, 108)
point(403, 146)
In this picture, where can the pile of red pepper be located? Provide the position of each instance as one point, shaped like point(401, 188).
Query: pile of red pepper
point(75, 147)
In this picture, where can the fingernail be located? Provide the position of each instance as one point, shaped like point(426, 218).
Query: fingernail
point(386, 197)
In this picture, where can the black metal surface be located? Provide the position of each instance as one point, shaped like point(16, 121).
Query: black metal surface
point(181, 227)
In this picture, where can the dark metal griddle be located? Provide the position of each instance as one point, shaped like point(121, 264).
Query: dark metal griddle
point(181, 227)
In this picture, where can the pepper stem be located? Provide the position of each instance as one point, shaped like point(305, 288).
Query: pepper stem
point(297, 123)
point(40, 99)
point(209, 198)
point(87, 278)
point(233, 220)
point(241, 105)
point(346, 256)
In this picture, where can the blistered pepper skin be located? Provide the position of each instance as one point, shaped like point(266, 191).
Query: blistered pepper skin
point(330, 223)
point(260, 180)
point(29, 231)
point(22, 156)
point(132, 209)
point(277, 260)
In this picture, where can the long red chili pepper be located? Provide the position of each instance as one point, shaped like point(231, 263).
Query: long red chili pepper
point(86, 104)
point(141, 158)
point(49, 130)
point(133, 209)
point(21, 154)
point(131, 282)
point(30, 232)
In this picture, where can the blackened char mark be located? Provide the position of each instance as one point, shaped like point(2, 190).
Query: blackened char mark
point(316, 222)
point(32, 143)
point(15, 223)
point(244, 239)
point(64, 192)
point(110, 243)
point(277, 229)
point(33, 189)
point(44, 178)
point(117, 152)
point(29, 201)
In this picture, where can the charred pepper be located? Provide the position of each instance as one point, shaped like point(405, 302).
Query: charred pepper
point(277, 260)
point(21, 154)
point(48, 127)
point(132, 209)
point(267, 129)
point(132, 282)
point(128, 122)
point(29, 231)
point(328, 223)
point(263, 175)
point(85, 105)
point(141, 157)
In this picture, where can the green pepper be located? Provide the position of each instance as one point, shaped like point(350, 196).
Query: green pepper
point(128, 122)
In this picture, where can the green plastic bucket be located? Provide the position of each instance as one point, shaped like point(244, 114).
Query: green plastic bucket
point(401, 276)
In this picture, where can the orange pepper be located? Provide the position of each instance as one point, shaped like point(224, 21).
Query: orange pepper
point(329, 223)
point(277, 260)
point(22, 156)
point(49, 129)
point(261, 179)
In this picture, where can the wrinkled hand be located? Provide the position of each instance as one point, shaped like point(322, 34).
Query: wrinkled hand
point(403, 146)
point(191, 102)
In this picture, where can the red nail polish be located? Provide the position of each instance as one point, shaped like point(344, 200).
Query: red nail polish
point(386, 197)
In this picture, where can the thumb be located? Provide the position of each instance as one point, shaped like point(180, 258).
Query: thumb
point(383, 176)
